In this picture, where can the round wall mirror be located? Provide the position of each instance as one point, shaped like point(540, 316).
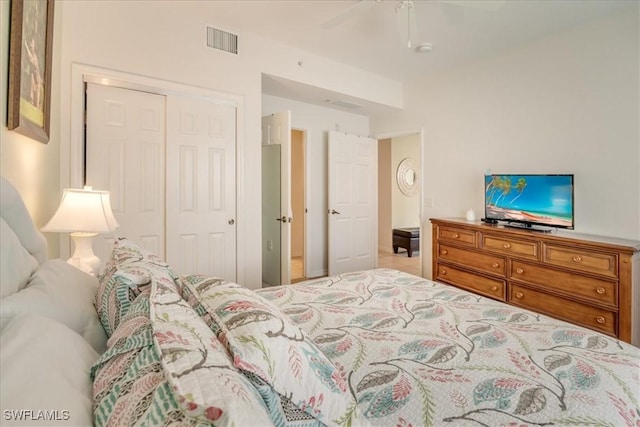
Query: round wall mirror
point(407, 177)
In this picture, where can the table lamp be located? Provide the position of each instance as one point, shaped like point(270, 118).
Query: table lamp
point(85, 214)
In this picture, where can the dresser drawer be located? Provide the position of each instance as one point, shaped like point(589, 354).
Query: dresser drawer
point(582, 314)
point(458, 235)
point(513, 247)
point(587, 288)
point(605, 264)
point(484, 262)
point(492, 288)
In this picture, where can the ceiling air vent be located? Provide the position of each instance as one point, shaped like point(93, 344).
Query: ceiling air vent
point(222, 40)
point(344, 104)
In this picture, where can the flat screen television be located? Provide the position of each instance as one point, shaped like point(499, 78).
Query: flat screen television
point(528, 200)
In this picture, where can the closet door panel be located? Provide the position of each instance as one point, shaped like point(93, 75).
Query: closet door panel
point(125, 154)
point(201, 184)
point(170, 165)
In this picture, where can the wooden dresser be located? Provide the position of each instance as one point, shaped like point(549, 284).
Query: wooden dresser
point(588, 280)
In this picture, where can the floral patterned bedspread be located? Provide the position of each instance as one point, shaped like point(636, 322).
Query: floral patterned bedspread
point(417, 352)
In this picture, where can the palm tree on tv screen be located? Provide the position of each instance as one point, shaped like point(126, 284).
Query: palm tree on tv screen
point(501, 186)
point(520, 188)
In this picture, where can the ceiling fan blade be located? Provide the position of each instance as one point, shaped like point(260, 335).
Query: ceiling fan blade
point(349, 12)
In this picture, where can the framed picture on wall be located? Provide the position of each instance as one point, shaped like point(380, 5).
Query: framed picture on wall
point(30, 50)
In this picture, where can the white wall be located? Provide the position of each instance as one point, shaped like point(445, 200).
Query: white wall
point(405, 210)
point(168, 42)
point(32, 167)
point(566, 104)
point(317, 122)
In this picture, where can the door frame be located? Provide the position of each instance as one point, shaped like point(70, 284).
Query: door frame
point(73, 141)
point(420, 133)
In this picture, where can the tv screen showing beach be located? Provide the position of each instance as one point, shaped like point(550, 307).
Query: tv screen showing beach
point(538, 199)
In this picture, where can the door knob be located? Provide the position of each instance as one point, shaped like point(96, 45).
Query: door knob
point(334, 212)
point(232, 221)
point(290, 219)
point(283, 219)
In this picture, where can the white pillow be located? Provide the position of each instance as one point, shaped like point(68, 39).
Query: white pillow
point(15, 213)
point(62, 292)
point(45, 366)
point(16, 263)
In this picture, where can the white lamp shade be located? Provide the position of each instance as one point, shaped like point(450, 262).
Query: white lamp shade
point(85, 211)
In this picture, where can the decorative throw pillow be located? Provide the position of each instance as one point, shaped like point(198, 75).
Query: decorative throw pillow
point(199, 285)
point(164, 363)
point(270, 349)
point(130, 386)
point(116, 291)
point(198, 367)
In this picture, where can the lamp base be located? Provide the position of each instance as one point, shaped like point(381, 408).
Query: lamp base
point(83, 257)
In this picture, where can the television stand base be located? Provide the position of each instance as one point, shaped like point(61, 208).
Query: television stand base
point(528, 227)
point(489, 220)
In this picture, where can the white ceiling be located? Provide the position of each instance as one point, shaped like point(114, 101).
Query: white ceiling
point(365, 34)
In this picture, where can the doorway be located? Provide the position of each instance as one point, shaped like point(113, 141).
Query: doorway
point(284, 206)
point(400, 203)
point(276, 199)
point(298, 205)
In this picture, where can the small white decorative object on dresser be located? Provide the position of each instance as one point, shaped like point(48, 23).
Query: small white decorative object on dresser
point(470, 215)
point(85, 214)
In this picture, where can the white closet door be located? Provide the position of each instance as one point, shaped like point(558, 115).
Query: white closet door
point(125, 154)
point(201, 186)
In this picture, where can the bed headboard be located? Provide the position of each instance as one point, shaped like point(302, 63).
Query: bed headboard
point(22, 247)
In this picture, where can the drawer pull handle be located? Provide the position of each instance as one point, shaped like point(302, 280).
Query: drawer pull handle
point(506, 245)
point(494, 288)
point(600, 290)
point(600, 320)
point(519, 295)
point(519, 271)
point(444, 252)
point(495, 265)
point(456, 235)
point(443, 272)
point(577, 258)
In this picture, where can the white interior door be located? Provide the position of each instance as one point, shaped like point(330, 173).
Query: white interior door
point(276, 130)
point(125, 154)
point(271, 233)
point(201, 186)
point(353, 202)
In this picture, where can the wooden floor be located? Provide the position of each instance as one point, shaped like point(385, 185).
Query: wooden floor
point(297, 270)
point(399, 261)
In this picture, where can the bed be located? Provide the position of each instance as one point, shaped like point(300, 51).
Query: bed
point(139, 345)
